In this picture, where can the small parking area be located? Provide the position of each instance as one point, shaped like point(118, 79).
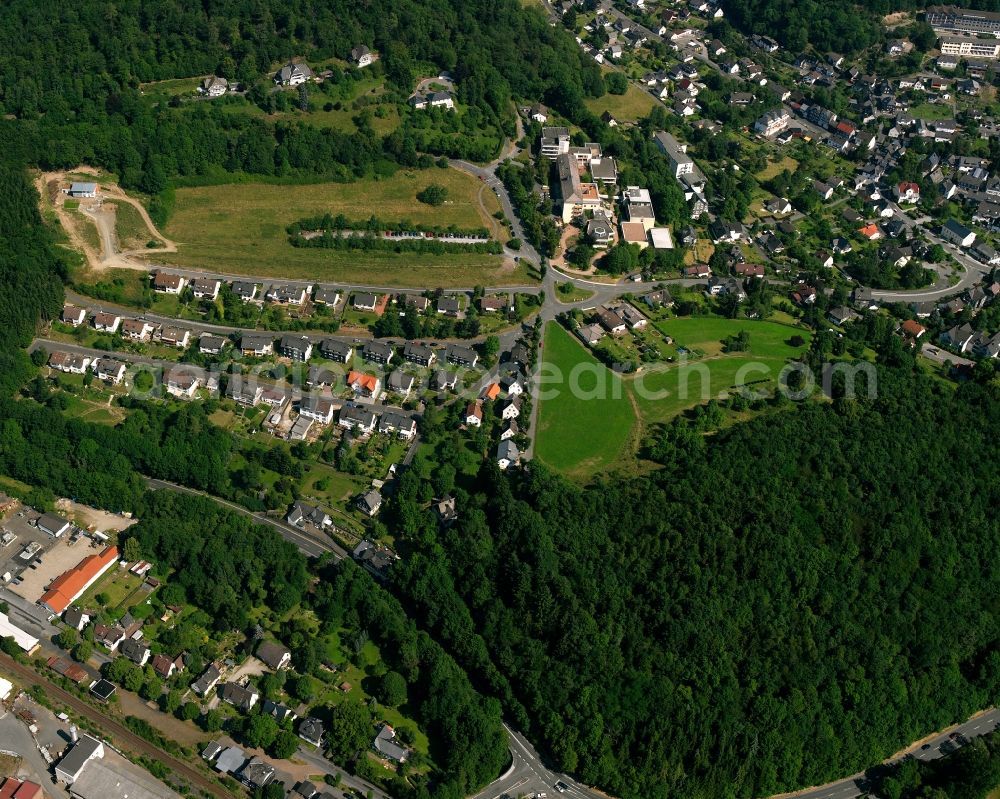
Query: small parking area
point(30, 558)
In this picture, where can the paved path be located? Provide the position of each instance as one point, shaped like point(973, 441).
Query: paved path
point(311, 545)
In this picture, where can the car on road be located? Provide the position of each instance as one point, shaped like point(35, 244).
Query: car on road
point(561, 786)
point(926, 746)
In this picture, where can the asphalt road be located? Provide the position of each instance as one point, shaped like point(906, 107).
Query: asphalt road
point(974, 270)
point(938, 746)
point(310, 545)
point(528, 776)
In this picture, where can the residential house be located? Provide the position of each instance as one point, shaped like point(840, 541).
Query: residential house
point(109, 370)
point(957, 233)
point(293, 74)
point(959, 337)
point(311, 731)
point(69, 362)
point(399, 382)
point(449, 305)
point(611, 321)
point(256, 344)
point(316, 408)
point(206, 288)
point(419, 354)
point(106, 322)
point(841, 315)
point(286, 294)
point(361, 56)
point(385, 745)
point(474, 414)
point(73, 316)
point(180, 382)
point(298, 348)
point(211, 345)
point(136, 651)
point(175, 337)
point(363, 384)
point(444, 380)
point(245, 290)
point(274, 655)
point(136, 329)
point(326, 296)
point(167, 283)
point(461, 356)
point(302, 515)
point(244, 393)
point(590, 334)
point(357, 417)
point(680, 162)
point(334, 350)
point(214, 86)
point(512, 408)
point(377, 352)
point(207, 681)
point(370, 502)
point(399, 423)
point(508, 454)
point(239, 696)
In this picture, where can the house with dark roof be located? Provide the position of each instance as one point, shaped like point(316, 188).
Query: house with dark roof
point(311, 731)
point(239, 696)
point(274, 655)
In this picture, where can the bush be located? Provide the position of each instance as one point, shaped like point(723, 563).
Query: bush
point(435, 194)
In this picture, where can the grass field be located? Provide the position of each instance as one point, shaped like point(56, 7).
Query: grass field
point(130, 227)
point(582, 436)
point(775, 168)
point(577, 435)
point(240, 228)
point(932, 111)
point(628, 107)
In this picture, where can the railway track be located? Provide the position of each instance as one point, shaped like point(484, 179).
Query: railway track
point(117, 731)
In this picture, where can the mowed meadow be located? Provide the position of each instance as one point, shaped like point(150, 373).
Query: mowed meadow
point(240, 228)
point(595, 419)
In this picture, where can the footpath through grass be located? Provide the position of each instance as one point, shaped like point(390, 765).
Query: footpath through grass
point(240, 228)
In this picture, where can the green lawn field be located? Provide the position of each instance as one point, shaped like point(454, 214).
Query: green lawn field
point(628, 107)
point(581, 436)
point(577, 435)
point(240, 228)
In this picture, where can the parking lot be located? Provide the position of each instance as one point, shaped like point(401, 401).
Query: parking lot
point(31, 557)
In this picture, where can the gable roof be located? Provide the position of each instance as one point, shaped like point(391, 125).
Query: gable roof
point(70, 584)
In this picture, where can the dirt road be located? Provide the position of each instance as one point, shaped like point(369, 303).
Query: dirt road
point(101, 211)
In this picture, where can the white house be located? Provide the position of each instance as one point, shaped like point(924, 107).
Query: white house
point(957, 233)
point(361, 56)
point(214, 86)
point(293, 74)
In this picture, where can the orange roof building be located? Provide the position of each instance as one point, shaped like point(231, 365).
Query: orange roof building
point(870, 231)
point(492, 391)
point(68, 586)
point(913, 329)
point(16, 789)
point(360, 381)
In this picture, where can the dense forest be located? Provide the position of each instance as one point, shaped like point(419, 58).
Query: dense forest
point(70, 75)
point(790, 602)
